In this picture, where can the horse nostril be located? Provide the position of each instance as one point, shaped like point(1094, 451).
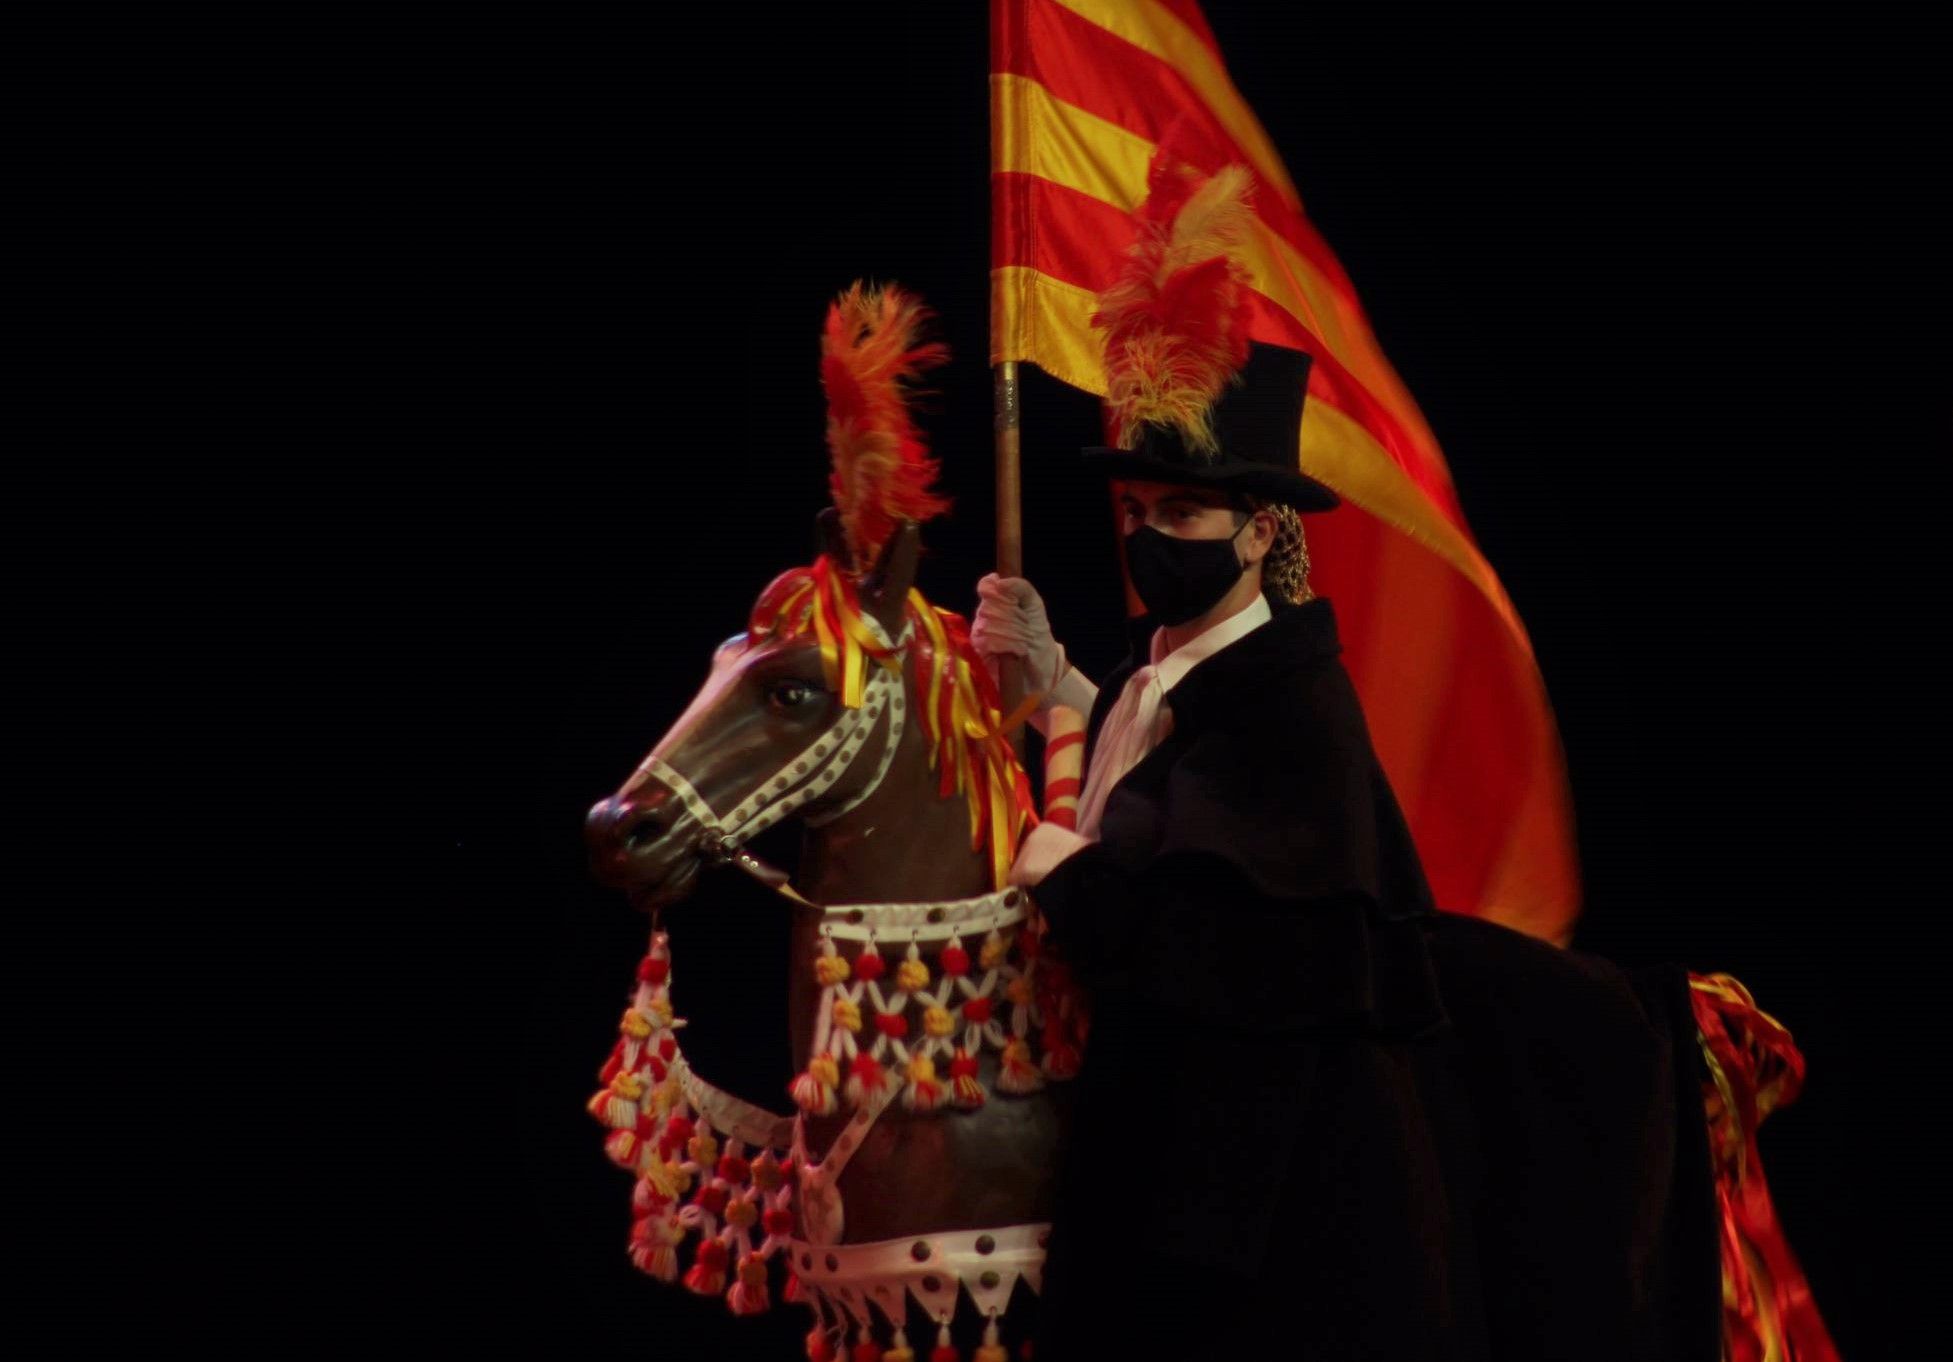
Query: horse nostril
point(640, 823)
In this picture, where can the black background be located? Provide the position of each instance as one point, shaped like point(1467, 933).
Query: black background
point(406, 412)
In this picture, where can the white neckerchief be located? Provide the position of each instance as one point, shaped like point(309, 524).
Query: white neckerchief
point(1139, 721)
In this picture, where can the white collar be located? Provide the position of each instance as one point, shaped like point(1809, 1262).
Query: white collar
point(1171, 668)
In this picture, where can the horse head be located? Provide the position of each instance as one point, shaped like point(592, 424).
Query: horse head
point(802, 715)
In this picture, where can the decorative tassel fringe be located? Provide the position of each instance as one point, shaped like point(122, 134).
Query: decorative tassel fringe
point(742, 1213)
point(912, 976)
point(868, 1081)
point(707, 1275)
point(963, 1077)
point(661, 1262)
point(1060, 1061)
point(945, 1349)
point(1018, 1072)
point(622, 1148)
point(899, 1349)
point(748, 1295)
point(813, 1096)
point(654, 1246)
point(924, 1092)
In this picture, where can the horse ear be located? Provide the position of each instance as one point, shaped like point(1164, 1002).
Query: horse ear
point(829, 539)
point(886, 593)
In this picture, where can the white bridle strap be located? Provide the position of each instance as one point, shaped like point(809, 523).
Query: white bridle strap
point(813, 771)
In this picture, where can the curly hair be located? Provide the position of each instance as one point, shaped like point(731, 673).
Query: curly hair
point(1285, 571)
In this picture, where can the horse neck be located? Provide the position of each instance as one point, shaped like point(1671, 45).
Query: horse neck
point(905, 844)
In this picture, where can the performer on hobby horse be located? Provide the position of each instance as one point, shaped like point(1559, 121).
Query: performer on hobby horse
point(1316, 1116)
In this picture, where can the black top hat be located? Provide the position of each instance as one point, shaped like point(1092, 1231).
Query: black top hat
point(1257, 422)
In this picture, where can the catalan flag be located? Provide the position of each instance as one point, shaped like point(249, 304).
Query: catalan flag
point(1080, 93)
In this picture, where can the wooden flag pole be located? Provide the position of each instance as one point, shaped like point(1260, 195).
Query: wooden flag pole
point(1010, 524)
point(1010, 519)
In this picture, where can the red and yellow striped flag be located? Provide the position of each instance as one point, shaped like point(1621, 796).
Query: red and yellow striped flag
point(1080, 92)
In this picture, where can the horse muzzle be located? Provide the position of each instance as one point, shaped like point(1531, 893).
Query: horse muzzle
point(647, 842)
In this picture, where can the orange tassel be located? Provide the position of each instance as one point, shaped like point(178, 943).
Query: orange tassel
point(1017, 1071)
point(748, 1294)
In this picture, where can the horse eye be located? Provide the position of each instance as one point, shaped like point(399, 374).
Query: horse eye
point(789, 693)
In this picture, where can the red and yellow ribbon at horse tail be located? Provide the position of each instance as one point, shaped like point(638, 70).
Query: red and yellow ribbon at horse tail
point(1082, 92)
point(1754, 1068)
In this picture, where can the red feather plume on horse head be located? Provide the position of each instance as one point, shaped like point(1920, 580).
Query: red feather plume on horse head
point(1175, 319)
point(870, 352)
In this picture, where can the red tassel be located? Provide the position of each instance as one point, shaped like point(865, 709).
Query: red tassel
point(660, 1262)
point(866, 1349)
point(1030, 942)
point(977, 1010)
point(866, 1080)
point(955, 960)
point(707, 1275)
point(652, 970)
point(777, 1222)
point(869, 965)
point(1061, 1061)
point(652, 1247)
point(612, 1066)
point(622, 1147)
point(818, 1348)
point(965, 1090)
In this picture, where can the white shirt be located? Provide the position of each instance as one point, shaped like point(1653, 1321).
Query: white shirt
point(1139, 721)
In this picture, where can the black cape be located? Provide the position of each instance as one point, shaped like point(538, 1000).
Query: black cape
point(1320, 1118)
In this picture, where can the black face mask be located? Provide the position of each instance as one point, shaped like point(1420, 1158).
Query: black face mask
point(1182, 579)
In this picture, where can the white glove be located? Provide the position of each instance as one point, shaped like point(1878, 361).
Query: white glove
point(1010, 622)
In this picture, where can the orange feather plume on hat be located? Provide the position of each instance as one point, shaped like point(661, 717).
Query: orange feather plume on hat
point(870, 353)
point(1175, 320)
